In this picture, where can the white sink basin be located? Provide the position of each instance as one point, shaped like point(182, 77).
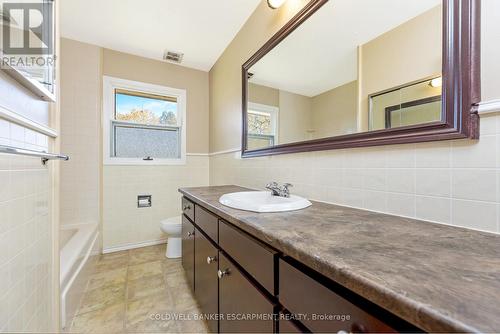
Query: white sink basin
point(263, 201)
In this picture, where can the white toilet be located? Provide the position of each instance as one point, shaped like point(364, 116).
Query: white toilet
point(173, 227)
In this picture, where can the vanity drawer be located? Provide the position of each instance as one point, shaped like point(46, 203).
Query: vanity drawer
point(188, 208)
point(257, 259)
point(301, 294)
point(207, 222)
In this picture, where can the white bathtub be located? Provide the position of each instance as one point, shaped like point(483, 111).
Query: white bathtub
point(76, 265)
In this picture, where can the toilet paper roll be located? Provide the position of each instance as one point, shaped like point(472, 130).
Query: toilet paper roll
point(144, 202)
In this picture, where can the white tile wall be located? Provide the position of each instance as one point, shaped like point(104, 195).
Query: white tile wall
point(123, 223)
point(80, 130)
point(25, 235)
point(451, 182)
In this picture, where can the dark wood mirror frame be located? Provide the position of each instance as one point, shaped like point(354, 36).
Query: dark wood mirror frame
point(461, 86)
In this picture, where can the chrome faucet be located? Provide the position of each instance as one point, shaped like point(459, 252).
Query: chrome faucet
point(274, 187)
point(277, 190)
point(285, 191)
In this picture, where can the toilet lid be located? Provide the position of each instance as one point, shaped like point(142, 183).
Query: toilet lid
point(172, 221)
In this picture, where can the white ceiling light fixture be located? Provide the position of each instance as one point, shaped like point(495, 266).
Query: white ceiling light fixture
point(437, 82)
point(275, 4)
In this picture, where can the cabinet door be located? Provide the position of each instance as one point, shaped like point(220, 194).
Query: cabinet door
point(287, 327)
point(239, 301)
point(206, 280)
point(188, 250)
point(301, 294)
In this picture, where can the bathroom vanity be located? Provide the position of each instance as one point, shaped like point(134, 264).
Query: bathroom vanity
point(329, 269)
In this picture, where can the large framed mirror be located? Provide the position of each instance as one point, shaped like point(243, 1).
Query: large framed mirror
point(354, 73)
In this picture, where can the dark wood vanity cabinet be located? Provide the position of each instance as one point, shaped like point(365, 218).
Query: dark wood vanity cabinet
point(328, 311)
point(188, 208)
point(240, 301)
point(206, 280)
point(188, 252)
point(257, 259)
point(287, 326)
point(242, 285)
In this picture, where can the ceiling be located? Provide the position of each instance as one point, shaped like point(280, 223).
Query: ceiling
point(200, 29)
point(322, 53)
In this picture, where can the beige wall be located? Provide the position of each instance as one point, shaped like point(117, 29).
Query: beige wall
point(123, 224)
point(294, 117)
point(263, 95)
point(335, 112)
point(302, 118)
point(452, 182)
point(225, 75)
point(80, 132)
point(490, 49)
point(410, 52)
point(126, 66)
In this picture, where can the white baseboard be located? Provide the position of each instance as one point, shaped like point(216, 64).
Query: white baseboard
point(120, 248)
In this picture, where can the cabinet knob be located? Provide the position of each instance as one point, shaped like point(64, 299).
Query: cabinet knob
point(186, 207)
point(190, 234)
point(221, 273)
point(358, 328)
point(211, 259)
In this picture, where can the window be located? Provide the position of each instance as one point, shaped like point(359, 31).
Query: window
point(262, 126)
point(144, 124)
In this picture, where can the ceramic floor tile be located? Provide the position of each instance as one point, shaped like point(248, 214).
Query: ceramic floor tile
point(144, 270)
point(151, 315)
point(172, 265)
point(175, 279)
point(138, 291)
point(148, 286)
point(103, 279)
point(112, 261)
point(146, 254)
point(183, 298)
point(107, 320)
point(191, 322)
point(102, 297)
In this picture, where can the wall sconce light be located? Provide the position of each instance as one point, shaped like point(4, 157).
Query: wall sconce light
point(275, 4)
point(437, 82)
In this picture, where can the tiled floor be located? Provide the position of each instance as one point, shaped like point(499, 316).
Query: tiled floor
point(138, 291)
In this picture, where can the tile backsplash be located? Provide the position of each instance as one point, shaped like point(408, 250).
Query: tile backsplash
point(126, 225)
point(26, 288)
point(450, 182)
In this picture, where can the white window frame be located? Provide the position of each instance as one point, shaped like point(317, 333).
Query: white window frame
point(110, 84)
point(274, 111)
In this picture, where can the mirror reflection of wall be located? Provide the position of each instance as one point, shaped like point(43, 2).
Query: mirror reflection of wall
point(353, 66)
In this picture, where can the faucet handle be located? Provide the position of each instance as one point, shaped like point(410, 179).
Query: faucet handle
point(272, 185)
point(285, 192)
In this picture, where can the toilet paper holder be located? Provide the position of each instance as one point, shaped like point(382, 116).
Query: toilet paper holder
point(144, 201)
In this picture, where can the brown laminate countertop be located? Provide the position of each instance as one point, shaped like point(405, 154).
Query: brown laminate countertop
point(439, 278)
